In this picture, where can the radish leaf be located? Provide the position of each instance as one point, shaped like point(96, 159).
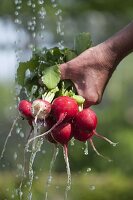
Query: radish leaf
point(82, 42)
point(51, 76)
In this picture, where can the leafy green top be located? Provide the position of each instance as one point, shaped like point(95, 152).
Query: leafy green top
point(40, 75)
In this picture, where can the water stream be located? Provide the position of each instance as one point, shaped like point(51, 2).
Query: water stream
point(49, 179)
point(68, 187)
point(36, 147)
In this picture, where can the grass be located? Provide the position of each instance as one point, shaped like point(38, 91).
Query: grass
point(87, 186)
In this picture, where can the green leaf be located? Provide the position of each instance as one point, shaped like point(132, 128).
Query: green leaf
point(30, 65)
point(70, 54)
point(51, 76)
point(82, 42)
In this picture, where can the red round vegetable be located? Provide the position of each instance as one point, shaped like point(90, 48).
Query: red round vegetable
point(81, 135)
point(50, 122)
point(86, 120)
point(62, 133)
point(40, 108)
point(64, 107)
point(24, 108)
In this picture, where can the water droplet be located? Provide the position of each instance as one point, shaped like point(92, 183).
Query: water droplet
point(29, 3)
point(72, 141)
point(34, 35)
point(92, 187)
point(54, 5)
point(42, 13)
point(42, 26)
point(16, 2)
point(58, 12)
point(10, 108)
point(18, 7)
point(40, 2)
point(114, 144)
point(16, 13)
point(19, 166)
point(13, 196)
point(88, 169)
point(15, 156)
point(43, 151)
point(49, 180)
point(21, 134)
point(33, 5)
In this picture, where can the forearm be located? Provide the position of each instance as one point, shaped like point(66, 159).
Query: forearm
point(120, 45)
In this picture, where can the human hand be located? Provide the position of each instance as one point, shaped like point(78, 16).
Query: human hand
point(90, 72)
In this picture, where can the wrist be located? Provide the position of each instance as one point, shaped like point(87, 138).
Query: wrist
point(108, 58)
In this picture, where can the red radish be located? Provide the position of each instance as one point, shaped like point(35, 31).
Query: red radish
point(86, 120)
point(49, 123)
point(24, 108)
point(81, 135)
point(30, 122)
point(40, 108)
point(62, 133)
point(64, 107)
point(50, 138)
point(85, 123)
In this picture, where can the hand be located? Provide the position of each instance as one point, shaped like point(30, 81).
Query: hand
point(90, 72)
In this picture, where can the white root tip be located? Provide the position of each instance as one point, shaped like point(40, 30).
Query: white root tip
point(106, 139)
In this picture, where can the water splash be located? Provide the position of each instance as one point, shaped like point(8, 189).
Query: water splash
point(8, 136)
point(72, 142)
point(36, 147)
point(92, 187)
point(59, 23)
point(68, 187)
point(18, 22)
point(49, 180)
point(86, 148)
point(88, 169)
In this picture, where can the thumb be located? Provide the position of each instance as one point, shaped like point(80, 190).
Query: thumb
point(64, 70)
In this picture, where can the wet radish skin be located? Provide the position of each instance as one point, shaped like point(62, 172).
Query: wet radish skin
point(41, 108)
point(81, 135)
point(86, 120)
point(64, 105)
point(24, 108)
point(63, 133)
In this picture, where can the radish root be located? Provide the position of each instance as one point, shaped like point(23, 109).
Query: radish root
point(106, 139)
point(97, 152)
point(45, 133)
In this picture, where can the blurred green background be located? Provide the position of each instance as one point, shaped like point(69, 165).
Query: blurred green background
point(37, 23)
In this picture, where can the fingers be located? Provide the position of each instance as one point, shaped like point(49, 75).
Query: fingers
point(90, 93)
point(65, 70)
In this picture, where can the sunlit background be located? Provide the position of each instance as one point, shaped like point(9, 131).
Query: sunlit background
point(29, 24)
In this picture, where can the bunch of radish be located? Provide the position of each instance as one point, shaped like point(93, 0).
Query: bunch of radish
point(54, 110)
point(62, 120)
